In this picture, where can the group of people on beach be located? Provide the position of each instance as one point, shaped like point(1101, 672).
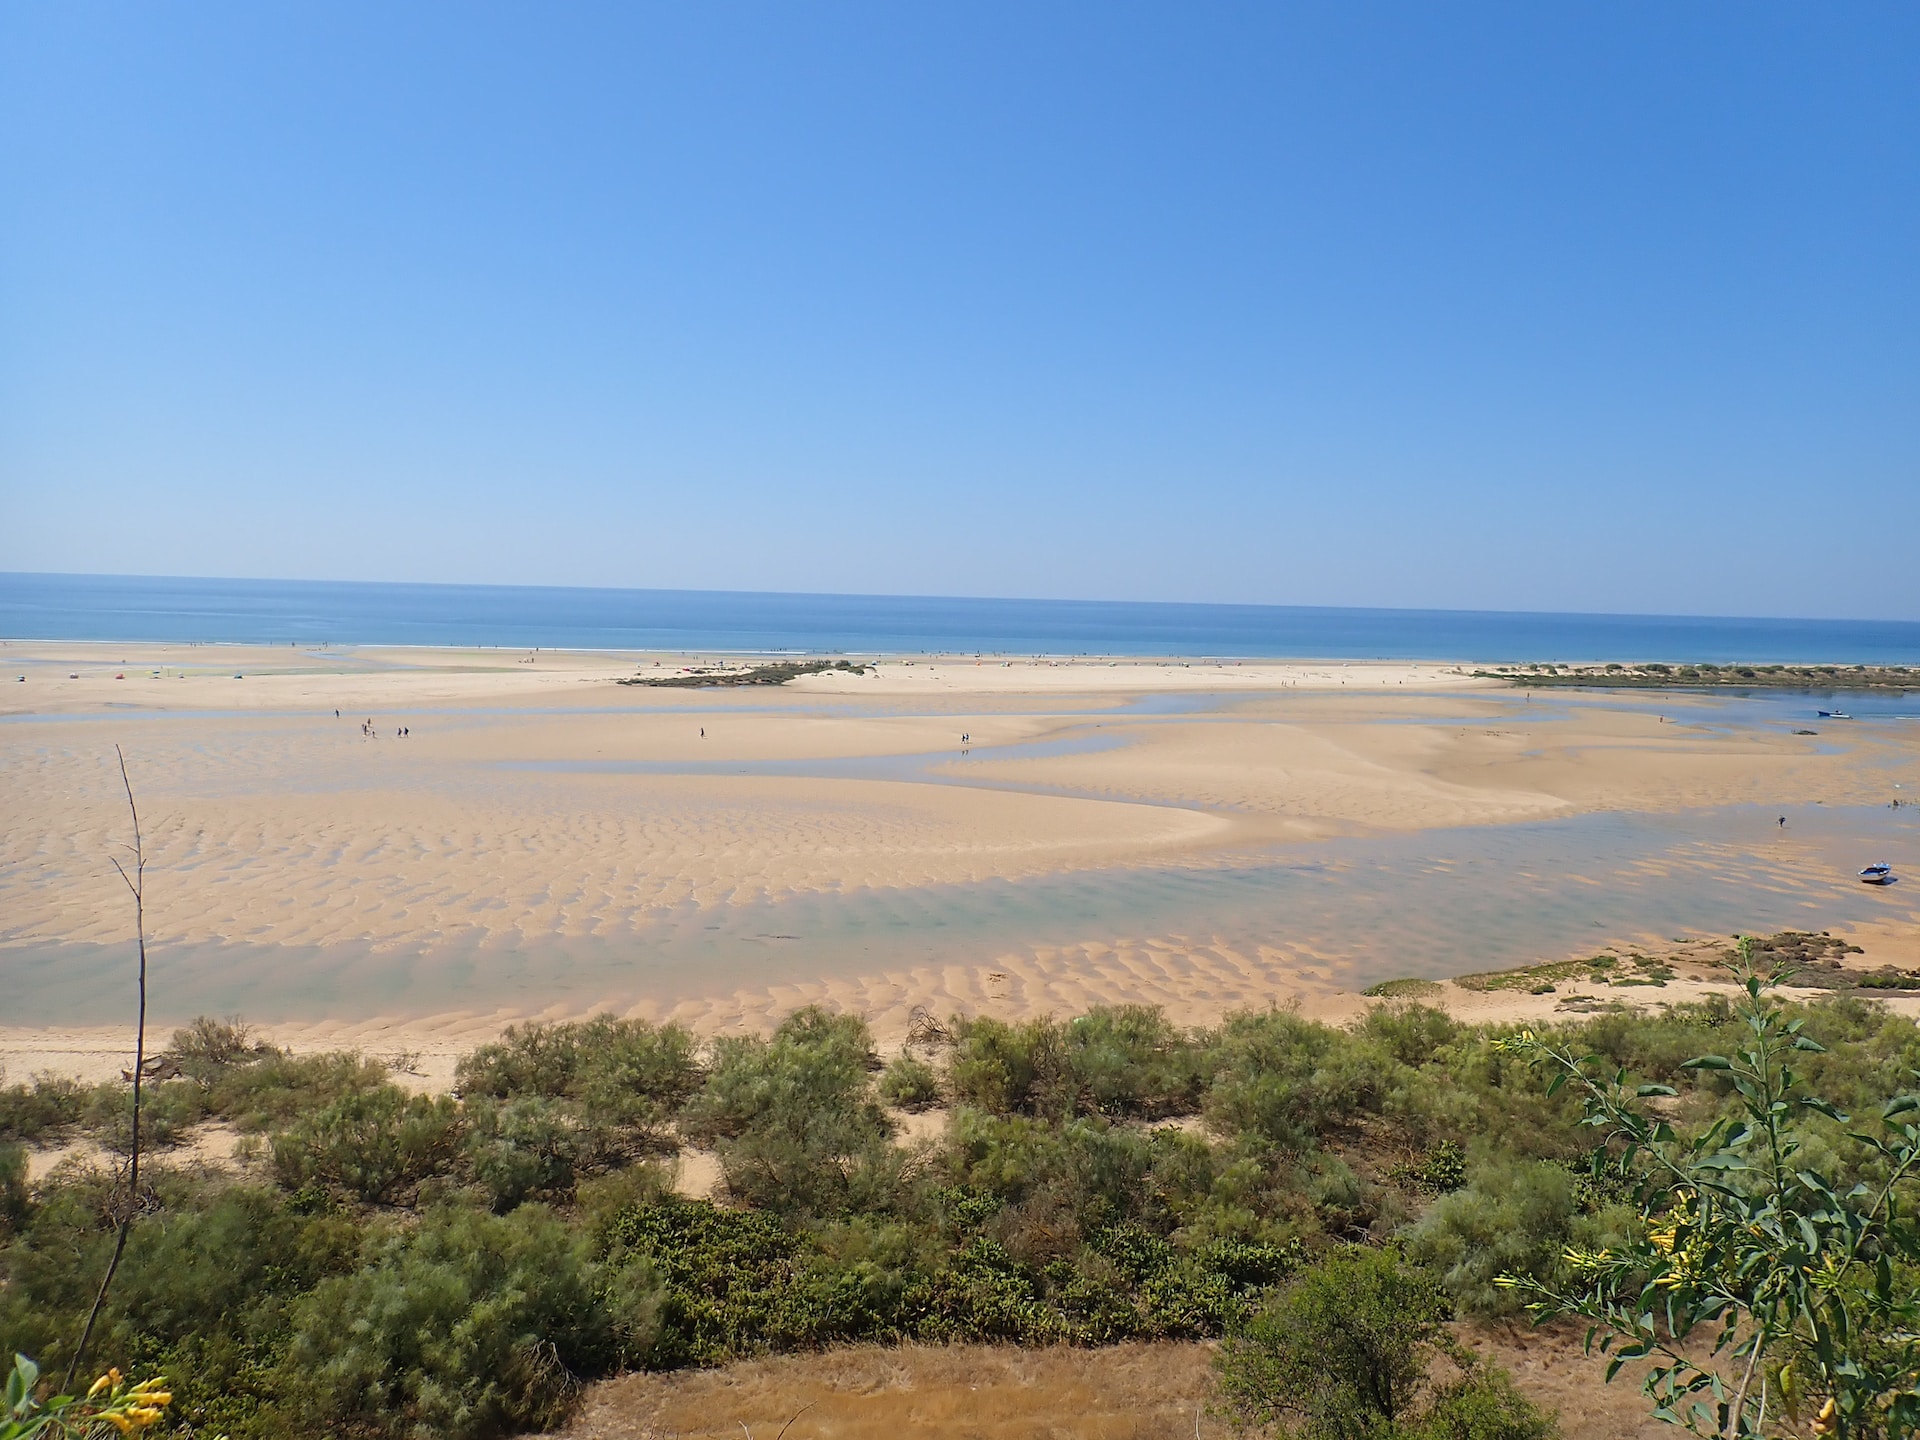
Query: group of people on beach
point(366, 728)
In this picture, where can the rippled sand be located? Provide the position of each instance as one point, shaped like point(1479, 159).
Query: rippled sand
point(540, 814)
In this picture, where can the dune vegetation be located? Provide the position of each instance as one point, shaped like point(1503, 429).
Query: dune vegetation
point(773, 672)
point(375, 1262)
point(1653, 675)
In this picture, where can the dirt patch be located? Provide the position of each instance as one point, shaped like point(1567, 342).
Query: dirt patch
point(697, 1174)
point(986, 1392)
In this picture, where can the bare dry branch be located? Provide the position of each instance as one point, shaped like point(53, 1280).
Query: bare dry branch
point(136, 883)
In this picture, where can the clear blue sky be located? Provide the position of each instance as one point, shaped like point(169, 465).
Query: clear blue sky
point(1528, 306)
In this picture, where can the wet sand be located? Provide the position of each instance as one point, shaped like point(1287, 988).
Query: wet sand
point(546, 841)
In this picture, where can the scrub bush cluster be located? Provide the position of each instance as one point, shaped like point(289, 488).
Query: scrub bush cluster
point(389, 1264)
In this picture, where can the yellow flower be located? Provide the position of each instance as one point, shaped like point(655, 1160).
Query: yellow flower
point(102, 1383)
point(119, 1422)
point(1585, 1260)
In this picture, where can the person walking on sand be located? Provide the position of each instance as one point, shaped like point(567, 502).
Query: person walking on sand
point(1783, 822)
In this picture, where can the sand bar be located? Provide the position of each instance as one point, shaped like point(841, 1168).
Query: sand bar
point(538, 810)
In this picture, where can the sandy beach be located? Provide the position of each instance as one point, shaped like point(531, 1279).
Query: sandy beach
point(545, 841)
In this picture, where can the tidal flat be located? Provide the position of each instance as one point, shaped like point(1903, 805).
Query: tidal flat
point(1006, 837)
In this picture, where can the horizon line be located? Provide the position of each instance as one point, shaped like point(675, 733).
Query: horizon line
point(969, 599)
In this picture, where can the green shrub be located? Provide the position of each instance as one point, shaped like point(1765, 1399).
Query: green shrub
point(621, 1072)
point(43, 1111)
point(716, 1282)
point(167, 1111)
point(1477, 1095)
point(207, 1048)
point(1440, 1171)
point(1011, 1069)
point(274, 1088)
point(793, 1120)
point(1128, 1060)
point(210, 1268)
point(374, 1145)
point(1119, 1060)
point(1481, 1405)
point(1055, 1181)
point(1289, 1081)
point(1747, 1232)
point(1412, 1034)
point(909, 1083)
point(524, 1147)
point(223, 1257)
point(468, 1326)
point(1514, 1217)
point(1344, 1348)
point(1046, 1214)
point(15, 1203)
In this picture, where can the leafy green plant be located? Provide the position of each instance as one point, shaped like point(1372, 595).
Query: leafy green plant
point(1344, 1348)
point(205, 1049)
point(722, 1278)
point(271, 1088)
point(1344, 1353)
point(167, 1111)
point(467, 1326)
point(521, 1148)
point(793, 1118)
point(1117, 1060)
point(620, 1072)
point(110, 1407)
point(909, 1083)
point(1011, 1069)
point(1481, 1404)
point(42, 1111)
point(1290, 1081)
point(370, 1144)
point(1800, 1291)
point(1515, 1217)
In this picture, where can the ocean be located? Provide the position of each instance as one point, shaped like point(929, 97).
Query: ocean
point(327, 612)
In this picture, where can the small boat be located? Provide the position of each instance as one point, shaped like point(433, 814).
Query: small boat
point(1879, 875)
